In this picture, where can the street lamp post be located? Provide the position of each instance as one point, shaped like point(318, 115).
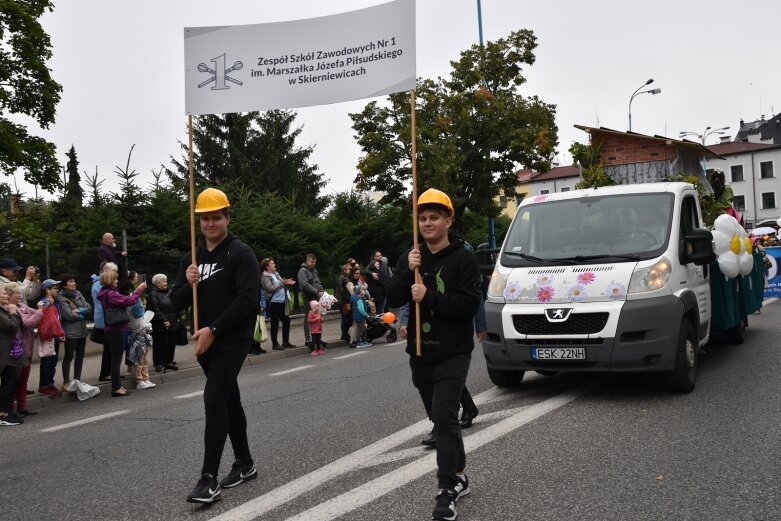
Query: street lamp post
point(637, 92)
point(705, 133)
point(491, 223)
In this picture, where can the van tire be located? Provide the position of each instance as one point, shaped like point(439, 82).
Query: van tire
point(506, 378)
point(683, 378)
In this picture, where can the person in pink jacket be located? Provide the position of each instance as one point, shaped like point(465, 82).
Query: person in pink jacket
point(30, 319)
point(315, 319)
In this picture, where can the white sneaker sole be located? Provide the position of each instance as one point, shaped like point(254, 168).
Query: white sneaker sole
point(242, 480)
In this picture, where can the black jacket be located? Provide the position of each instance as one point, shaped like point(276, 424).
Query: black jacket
point(160, 302)
point(227, 291)
point(452, 279)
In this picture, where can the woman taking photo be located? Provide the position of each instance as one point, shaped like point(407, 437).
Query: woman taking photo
point(275, 294)
point(30, 319)
point(114, 303)
point(11, 359)
point(164, 324)
point(73, 311)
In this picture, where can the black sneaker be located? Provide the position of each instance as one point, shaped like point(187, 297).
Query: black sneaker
point(446, 506)
point(462, 487)
point(239, 474)
point(206, 491)
point(430, 439)
point(467, 417)
point(9, 420)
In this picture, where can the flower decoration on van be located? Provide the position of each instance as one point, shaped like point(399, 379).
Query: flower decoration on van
point(545, 294)
point(539, 198)
point(731, 245)
point(615, 291)
point(577, 293)
point(586, 278)
point(544, 280)
point(512, 291)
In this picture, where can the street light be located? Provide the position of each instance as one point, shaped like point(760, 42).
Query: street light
point(705, 133)
point(636, 93)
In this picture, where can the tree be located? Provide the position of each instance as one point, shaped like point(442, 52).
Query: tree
point(26, 88)
point(74, 194)
point(472, 130)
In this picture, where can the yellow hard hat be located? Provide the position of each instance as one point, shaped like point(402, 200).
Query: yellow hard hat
point(434, 196)
point(211, 200)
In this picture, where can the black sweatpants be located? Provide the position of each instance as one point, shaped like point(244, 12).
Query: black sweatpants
point(222, 403)
point(73, 346)
point(440, 386)
point(9, 380)
point(115, 342)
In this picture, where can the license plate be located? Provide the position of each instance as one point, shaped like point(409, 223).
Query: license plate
point(558, 353)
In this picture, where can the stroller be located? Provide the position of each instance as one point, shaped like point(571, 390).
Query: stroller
point(376, 327)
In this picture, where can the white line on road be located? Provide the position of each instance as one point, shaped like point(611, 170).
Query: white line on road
point(291, 370)
point(190, 395)
point(84, 421)
point(356, 460)
point(350, 355)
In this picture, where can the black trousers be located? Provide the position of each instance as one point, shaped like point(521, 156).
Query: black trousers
point(73, 346)
point(115, 342)
point(440, 385)
point(9, 380)
point(222, 403)
point(276, 314)
point(163, 346)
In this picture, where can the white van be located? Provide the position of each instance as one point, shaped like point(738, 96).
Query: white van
point(605, 279)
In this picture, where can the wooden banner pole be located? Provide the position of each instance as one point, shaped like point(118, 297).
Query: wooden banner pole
point(413, 109)
point(192, 219)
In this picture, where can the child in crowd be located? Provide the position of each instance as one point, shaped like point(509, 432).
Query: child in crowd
point(358, 304)
point(315, 319)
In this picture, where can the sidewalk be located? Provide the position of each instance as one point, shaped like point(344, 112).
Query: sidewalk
point(185, 359)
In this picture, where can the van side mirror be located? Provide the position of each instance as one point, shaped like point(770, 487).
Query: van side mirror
point(697, 248)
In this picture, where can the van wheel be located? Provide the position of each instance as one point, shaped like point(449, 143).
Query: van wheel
point(736, 335)
point(683, 378)
point(505, 378)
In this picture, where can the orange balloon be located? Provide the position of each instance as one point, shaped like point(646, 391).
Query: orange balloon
point(388, 318)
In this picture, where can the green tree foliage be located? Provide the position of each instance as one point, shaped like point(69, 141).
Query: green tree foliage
point(473, 129)
point(27, 88)
point(592, 173)
point(74, 194)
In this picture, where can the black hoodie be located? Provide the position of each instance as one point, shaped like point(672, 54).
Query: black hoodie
point(227, 291)
point(452, 279)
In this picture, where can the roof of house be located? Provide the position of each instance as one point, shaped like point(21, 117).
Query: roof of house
point(668, 140)
point(558, 172)
point(740, 147)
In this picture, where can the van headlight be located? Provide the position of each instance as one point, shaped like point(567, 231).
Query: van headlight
point(497, 284)
point(651, 278)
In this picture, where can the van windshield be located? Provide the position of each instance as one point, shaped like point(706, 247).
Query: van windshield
point(592, 229)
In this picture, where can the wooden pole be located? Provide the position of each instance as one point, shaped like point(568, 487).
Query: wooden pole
point(192, 220)
point(413, 108)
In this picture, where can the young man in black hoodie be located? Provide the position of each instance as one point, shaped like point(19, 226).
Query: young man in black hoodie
point(227, 278)
point(449, 296)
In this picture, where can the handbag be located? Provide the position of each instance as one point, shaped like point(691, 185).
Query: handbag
point(49, 327)
point(181, 335)
point(17, 348)
point(116, 316)
point(260, 334)
point(46, 348)
point(97, 335)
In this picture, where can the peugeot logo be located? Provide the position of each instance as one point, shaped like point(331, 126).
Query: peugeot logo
point(557, 314)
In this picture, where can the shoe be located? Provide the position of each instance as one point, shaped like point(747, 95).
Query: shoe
point(54, 390)
point(117, 394)
point(278, 348)
point(239, 474)
point(8, 421)
point(446, 505)
point(360, 345)
point(146, 384)
point(353, 345)
point(321, 351)
point(206, 491)
point(171, 367)
point(46, 391)
point(346, 338)
point(467, 417)
point(26, 412)
point(288, 344)
point(29, 392)
point(108, 378)
point(254, 351)
point(314, 353)
point(158, 369)
point(430, 439)
point(65, 386)
point(462, 487)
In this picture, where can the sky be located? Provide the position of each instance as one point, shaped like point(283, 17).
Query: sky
point(121, 66)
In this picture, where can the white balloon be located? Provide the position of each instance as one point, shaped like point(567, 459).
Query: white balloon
point(746, 263)
point(726, 224)
point(729, 264)
point(720, 242)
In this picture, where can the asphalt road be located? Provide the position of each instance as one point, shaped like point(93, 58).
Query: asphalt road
point(337, 437)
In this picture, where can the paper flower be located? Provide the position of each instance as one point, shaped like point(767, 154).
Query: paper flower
point(615, 291)
point(586, 278)
point(512, 291)
point(577, 294)
point(545, 294)
point(539, 198)
point(544, 280)
point(731, 245)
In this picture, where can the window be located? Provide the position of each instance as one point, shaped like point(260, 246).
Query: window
point(766, 170)
point(737, 173)
point(739, 203)
point(502, 202)
point(543, 192)
point(565, 189)
point(768, 200)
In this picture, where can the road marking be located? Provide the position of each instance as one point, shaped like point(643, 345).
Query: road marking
point(291, 370)
point(366, 493)
point(350, 355)
point(190, 395)
point(84, 421)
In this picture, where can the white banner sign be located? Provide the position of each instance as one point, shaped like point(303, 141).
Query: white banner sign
point(241, 68)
